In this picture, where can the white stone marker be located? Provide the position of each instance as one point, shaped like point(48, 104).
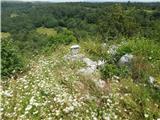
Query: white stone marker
point(75, 49)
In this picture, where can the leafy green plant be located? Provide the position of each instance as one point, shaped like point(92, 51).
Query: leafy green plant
point(109, 70)
point(146, 54)
point(11, 59)
point(64, 36)
point(122, 51)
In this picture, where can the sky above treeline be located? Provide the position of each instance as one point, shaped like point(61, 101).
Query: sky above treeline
point(86, 0)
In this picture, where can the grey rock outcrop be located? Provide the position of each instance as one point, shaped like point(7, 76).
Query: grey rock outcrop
point(87, 71)
point(91, 66)
point(125, 60)
point(89, 62)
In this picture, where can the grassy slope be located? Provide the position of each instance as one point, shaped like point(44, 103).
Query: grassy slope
point(51, 90)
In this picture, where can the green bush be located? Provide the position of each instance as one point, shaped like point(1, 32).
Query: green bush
point(109, 70)
point(64, 36)
point(143, 47)
point(146, 54)
point(145, 63)
point(11, 59)
point(43, 39)
point(122, 51)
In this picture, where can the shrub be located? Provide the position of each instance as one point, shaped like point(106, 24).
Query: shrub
point(64, 36)
point(122, 51)
point(149, 49)
point(146, 61)
point(44, 39)
point(11, 59)
point(109, 70)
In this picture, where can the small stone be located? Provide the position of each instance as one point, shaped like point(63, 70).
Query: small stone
point(100, 63)
point(151, 80)
point(112, 50)
point(104, 45)
point(116, 77)
point(125, 60)
point(87, 71)
point(146, 115)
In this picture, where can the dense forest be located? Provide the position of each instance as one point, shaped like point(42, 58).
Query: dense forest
point(83, 19)
point(31, 31)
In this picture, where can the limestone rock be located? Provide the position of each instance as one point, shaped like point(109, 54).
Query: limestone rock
point(74, 57)
point(91, 66)
point(100, 63)
point(112, 50)
point(87, 70)
point(151, 80)
point(89, 62)
point(125, 60)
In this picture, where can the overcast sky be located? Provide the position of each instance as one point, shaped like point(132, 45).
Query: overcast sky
point(88, 0)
